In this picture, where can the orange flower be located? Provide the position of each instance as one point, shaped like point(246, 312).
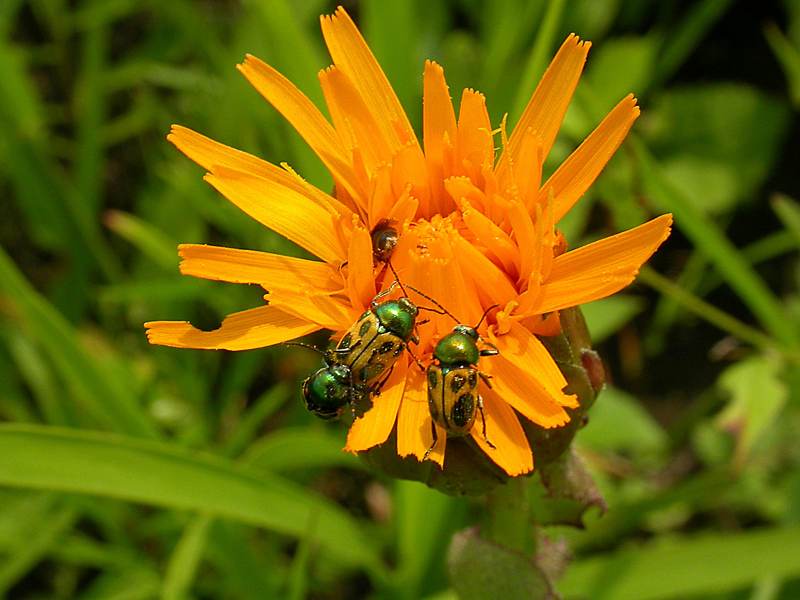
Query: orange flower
point(474, 232)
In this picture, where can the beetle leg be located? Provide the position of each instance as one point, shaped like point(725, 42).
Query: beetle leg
point(416, 360)
point(490, 351)
point(382, 294)
point(435, 439)
point(376, 389)
point(360, 401)
point(486, 378)
point(483, 419)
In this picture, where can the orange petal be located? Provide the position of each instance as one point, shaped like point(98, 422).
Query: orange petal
point(578, 172)
point(410, 169)
point(528, 168)
point(475, 145)
point(494, 285)
point(601, 268)
point(526, 238)
point(414, 434)
point(329, 312)
point(462, 188)
point(354, 118)
point(376, 425)
point(273, 271)
point(404, 208)
point(437, 273)
point(546, 108)
point(494, 239)
point(254, 328)
point(524, 349)
point(285, 211)
point(351, 54)
point(208, 154)
point(304, 117)
point(521, 388)
point(438, 120)
point(360, 279)
point(512, 453)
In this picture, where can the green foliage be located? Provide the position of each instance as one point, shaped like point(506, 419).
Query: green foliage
point(130, 471)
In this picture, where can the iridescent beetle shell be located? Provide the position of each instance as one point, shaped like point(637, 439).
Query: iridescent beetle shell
point(453, 398)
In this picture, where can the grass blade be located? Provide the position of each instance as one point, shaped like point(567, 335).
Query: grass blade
point(185, 559)
point(687, 567)
point(106, 398)
point(713, 243)
point(159, 474)
point(538, 57)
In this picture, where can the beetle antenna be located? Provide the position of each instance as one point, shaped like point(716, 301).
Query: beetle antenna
point(486, 312)
point(307, 346)
point(442, 311)
point(396, 278)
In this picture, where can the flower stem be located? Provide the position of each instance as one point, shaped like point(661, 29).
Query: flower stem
point(508, 517)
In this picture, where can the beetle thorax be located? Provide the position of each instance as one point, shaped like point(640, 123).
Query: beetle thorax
point(398, 316)
point(457, 348)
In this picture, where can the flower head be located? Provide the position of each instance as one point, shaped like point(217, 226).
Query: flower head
point(477, 232)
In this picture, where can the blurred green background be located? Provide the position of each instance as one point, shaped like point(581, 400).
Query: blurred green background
point(129, 471)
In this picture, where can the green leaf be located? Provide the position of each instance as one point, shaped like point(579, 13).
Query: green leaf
point(137, 582)
point(683, 39)
point(714, 182)
point(757, 395)
point(788, 56)
point(147, 239)
point(732, 130)
point(538, 58)
point(618, 67)
point(34, 544)
point(605, 317)
point(696, 566)
point(713, 243)
point(788, 212)
point(163, 475)
point(619, 423)
point(294, 448)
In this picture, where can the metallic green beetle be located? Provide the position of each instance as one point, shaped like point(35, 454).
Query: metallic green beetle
point(359, 365)
point(374, 343)
point(453, 398)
